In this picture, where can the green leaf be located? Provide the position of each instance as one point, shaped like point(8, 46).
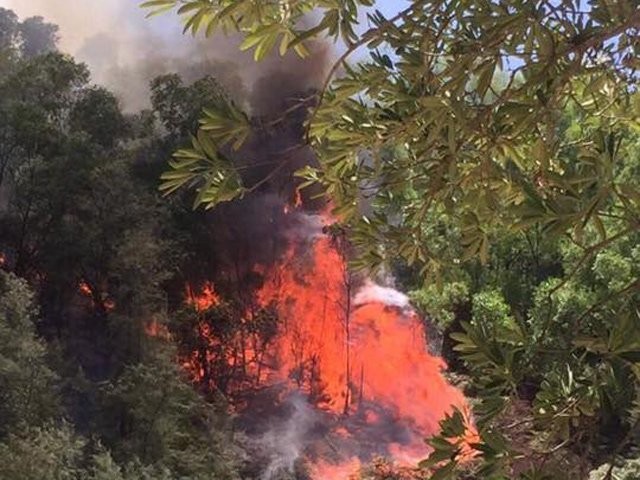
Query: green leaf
point(444, 473)
point(158, 7)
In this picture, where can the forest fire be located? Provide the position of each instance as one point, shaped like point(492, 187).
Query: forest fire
point(203, 299)
point(354, 350)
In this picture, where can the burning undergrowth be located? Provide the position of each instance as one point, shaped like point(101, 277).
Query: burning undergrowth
point(324, 369)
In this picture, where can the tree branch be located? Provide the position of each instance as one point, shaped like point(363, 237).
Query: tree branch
point(368, 36)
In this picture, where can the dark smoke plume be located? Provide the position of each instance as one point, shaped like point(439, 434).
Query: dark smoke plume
point(125, 51)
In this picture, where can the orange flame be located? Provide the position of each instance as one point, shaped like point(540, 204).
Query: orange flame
point(85, 289)
point(204, 299)
point(347, 346)
point(347, 470)
point(344, 354)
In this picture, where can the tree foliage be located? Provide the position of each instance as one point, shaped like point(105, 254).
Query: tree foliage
point(27, 385)
point(43, 453)
point(487, 151)
point(85, 392)
point(29, 38)
point(463, 106)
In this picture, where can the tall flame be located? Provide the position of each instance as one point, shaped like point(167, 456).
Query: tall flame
point(356, 350)
point(350, 350)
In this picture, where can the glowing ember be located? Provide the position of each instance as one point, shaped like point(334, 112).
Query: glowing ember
point(106, 303)
point(156, 329)
point(297, 202)
point(3, 259)
point(203, 299)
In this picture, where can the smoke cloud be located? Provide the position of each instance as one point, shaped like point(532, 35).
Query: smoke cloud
point(286, 441)
point(124, 50)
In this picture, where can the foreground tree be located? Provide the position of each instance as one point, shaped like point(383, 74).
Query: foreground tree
point(473, 122)
point(469, 97)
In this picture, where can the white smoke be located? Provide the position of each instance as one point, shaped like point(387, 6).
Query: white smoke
point(373, 293)
point(286, 440)
point(125, 50)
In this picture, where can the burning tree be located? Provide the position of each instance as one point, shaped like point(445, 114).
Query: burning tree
point(224, 346)
point(313, 359)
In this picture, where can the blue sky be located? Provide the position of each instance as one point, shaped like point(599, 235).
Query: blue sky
point(390, 7)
